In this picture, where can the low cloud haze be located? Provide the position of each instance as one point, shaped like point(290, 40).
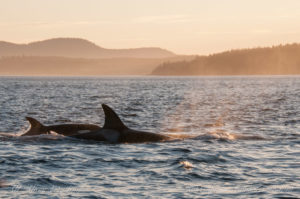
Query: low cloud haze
point(184, 27)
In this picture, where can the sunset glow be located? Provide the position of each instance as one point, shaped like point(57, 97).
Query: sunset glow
point(184, 27)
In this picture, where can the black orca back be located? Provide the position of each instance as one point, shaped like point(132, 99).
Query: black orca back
point(112, 120)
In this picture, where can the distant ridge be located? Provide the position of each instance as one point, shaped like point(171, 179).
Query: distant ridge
point(276, 60)
point(77, 48)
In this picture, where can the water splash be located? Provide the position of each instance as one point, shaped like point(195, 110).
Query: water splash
point(186, 164)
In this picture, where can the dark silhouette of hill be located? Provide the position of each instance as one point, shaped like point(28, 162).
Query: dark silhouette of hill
point(66, 66)
point(77, 48)
point(276, 60)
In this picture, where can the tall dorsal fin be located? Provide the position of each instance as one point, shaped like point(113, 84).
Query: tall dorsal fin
point(36, 128)
point(112, 120)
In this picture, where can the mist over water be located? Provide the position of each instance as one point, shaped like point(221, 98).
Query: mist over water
point(242, 137)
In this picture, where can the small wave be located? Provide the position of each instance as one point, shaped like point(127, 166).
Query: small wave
point(209, 159)
point(39, 161)
point(176, 129)
point(249, 137)
point(218, 123)
point(180, 136)
point(225, 176)
point(96, 97)
point(151, 173)
point(8, 134)
point(3, 184)
point(220, 134)
point(62, 120)
point(268, 110)
point(41, 182)
point(129, 115)
point(181, 150)
point(291, 122)
point(17, 136)
point(51, 136)
point(186, 164)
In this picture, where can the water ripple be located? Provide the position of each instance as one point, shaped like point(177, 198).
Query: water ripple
point(238, 137)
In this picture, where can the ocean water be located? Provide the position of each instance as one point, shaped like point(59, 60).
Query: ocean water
point(244, 138)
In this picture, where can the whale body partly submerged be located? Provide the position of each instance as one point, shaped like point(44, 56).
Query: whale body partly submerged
point(37, 128)
point(115, 131)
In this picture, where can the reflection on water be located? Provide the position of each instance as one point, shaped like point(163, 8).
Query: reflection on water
point(234, 137)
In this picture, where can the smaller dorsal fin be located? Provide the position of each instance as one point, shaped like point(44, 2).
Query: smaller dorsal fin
point(34, 123)
point(112, 120)
point(36, 128)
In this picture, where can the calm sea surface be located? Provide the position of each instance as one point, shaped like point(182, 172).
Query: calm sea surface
point(246, 138)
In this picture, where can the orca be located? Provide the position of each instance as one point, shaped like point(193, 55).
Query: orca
point(37, 128)
point(115, 131)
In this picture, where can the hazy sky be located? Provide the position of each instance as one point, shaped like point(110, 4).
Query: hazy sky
point(182, 26)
